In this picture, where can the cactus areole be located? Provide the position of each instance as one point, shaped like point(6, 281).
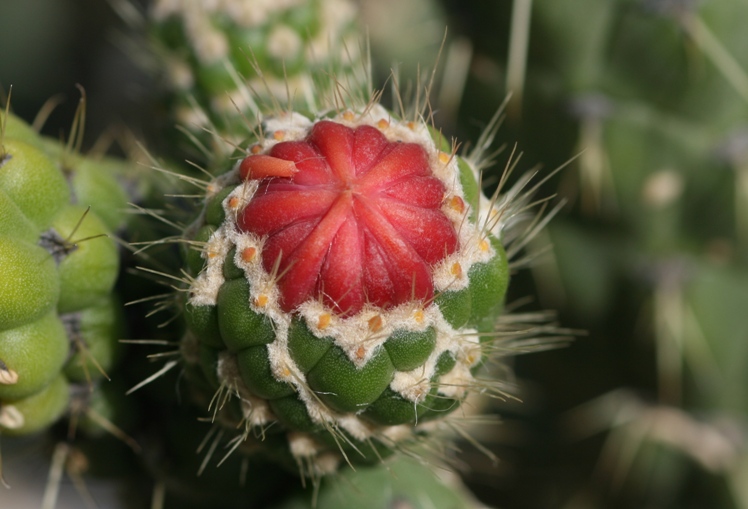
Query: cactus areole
point(344, 276)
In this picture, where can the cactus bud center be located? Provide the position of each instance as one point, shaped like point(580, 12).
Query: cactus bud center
point(349, 217)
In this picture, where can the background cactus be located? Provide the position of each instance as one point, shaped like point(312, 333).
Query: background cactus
point(61, 321)
point(226, 63)
point(649, 257)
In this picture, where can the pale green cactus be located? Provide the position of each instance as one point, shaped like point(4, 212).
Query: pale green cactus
point(59, 323)
point(228, 61)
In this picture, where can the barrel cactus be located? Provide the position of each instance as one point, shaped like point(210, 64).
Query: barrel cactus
point(345, 279)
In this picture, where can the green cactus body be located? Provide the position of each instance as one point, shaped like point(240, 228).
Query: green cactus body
point(57, 272)
point(224, 58)
point(345, 298)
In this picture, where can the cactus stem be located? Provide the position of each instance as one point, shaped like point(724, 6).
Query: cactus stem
point(86, 356)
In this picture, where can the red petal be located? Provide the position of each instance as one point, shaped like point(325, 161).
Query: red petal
point(427, 192)
point(284, 242)
point(368, 146)
point(410, 276)
point(306, 261)
point(266, 213)
point(313, 169)
point(379, 288)
point(335, 142)
point(428, 231)
point(405, 160)
point(341, 278)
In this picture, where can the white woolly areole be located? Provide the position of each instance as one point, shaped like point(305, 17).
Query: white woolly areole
point(284, 43)
point(302, 445)
point(413, 385)
point(326, 464)
point(397, 433)
point(362, 335)
point(358, 429)
point(255, 410)
point(206, 286)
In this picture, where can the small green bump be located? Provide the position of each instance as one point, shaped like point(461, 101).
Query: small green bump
point(18, 129)
point(291, 412)
point(488, 284)
point(193, 251)
point(214, 213)
point(470, 187)
point(455, 307)
point(230, 270)
point(98, 330)
point(95, 185)
point(240, 39)
point(444, 364)
point(346, 388)
point(306, 349)
point(91, 261)
point(203, 322)
point(29, 286)
point(410, 349)
point(305, 19)
point(32, 181)
point(36, 352)
point(37, 411)
point(14, 222)
point(254, 368)
point(240, 326)
point(392, 409)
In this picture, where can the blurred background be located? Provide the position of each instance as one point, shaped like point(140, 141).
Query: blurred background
point(645, 104)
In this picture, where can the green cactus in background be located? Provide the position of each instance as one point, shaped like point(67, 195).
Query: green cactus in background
point(60, 320)
point(649, 97)
point(228, 62)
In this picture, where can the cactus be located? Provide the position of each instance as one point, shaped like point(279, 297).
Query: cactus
point(343, 285)
point(346, 279)
point(60, 321)
point(226, 62)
